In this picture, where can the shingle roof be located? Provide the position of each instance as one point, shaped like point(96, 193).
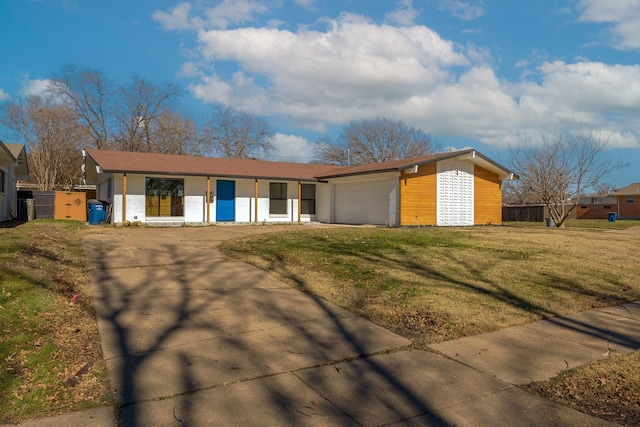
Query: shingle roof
point(15, 149)
point(629, 190)
point(170, 164)
point(398, 165)
point(7, 152)
point(15, 155)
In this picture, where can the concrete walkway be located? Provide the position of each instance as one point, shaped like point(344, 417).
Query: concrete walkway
point(193, 338)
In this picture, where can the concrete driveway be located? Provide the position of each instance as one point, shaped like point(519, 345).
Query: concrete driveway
point(191, 337)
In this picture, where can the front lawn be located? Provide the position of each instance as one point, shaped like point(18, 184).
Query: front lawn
point(436, 284)
point(48, 330)
point(440, 283)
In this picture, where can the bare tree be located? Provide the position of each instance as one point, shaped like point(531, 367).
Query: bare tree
point(236, 134)
point(513, 193)
point(53, 136)
point(333, 153)
point(558, 171)
point(604, 189)
point(175, 134)
point(92, 98)
point(373, 141)
point(143, 104)
point(121, 117)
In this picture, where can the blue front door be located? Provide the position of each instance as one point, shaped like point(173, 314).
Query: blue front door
point(226, 201)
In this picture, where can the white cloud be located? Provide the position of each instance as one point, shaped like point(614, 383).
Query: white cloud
point(212, 89)
point(356, 69)
point(593, 86)
point(405, 14)
point(4, 95)
point(467, 10)
point(622, 15)
point(189, 70)
point(227, 12)
point(307, 4)
point(35, 87)
point(353, 62)
point(291, 148)
point(234, 11)
point(176, 19)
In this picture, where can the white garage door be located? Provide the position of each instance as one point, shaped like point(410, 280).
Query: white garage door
point(362, 202)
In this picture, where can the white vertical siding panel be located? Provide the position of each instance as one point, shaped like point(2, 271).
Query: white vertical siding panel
point(195, 189)
point(455, 192)
point(323, 202)
point(136, 190)
point(244, 199)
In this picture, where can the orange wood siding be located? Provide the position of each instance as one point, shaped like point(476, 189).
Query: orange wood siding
point(418, 199)
point(488, 197)
point(70, 205)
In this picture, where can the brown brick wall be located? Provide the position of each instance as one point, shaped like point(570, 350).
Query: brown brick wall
point(595, 211)
point(629, 210)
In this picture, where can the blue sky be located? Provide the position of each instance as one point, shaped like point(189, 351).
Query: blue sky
point(473, 73)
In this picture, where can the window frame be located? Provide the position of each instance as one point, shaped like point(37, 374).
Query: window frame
point(306, 202)
point(279, 200)
point(631, 200)
point(110, 189)
point(162, 189)
point(3, 181)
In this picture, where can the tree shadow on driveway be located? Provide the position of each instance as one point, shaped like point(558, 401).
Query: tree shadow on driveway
point(191, 337)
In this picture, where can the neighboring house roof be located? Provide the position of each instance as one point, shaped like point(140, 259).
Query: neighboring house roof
point(629, 190)
point(15, 155)
point(6, 156)
point(599, 200)
point(170, 164)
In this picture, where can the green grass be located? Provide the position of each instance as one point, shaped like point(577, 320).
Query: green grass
point(479, 279)
point(436, 284)
point(620, 224)
point(42, 333)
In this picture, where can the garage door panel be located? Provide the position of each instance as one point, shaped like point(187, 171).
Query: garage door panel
point(362, 202)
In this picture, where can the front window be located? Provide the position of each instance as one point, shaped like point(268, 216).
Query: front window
point(165, 197)
point(278, 198)
point(631, 200)
point(3, 178)
point(308, 199)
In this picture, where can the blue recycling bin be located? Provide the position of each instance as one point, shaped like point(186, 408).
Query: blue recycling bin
point(96, 212)
point(612, 216)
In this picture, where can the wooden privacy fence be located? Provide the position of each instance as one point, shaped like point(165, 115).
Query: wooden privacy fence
point(528, 213)
point(54, 204)
point(71, 205)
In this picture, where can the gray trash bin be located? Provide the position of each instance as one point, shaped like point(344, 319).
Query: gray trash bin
point(31, 209)
point(549, 221)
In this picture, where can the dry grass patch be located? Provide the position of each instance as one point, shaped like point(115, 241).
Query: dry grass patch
point(48, 329)
point(608, 388)
point(443, 283)
point(436, 284)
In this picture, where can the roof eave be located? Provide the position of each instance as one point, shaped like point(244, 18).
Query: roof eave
point(205, 174)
